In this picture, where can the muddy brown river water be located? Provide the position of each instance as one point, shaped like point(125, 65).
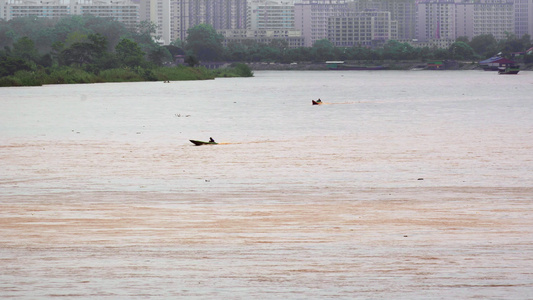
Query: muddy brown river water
point(403, 185)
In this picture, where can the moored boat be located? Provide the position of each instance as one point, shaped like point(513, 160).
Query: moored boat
point(509, 70)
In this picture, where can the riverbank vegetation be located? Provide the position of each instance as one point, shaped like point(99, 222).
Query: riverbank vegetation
point(88, 49)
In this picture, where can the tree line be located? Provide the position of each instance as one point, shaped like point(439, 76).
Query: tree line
point(206, 43)
point(92, 46)
point(80, 49)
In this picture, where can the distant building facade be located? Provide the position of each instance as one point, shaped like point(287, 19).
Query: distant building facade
point(174, 18)
point(120, 10)
point(293, 38)
point(367, 28)
point(268, 14)
point(435, 20)
point(402, 11)
point(311, 17)
point(496, 17)
point(450, 19)
point(221, 14)
point(523, 17)
point(420, 21)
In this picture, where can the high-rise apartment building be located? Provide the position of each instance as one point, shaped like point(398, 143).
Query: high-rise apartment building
point(268, 14)
point(311, 17)
point(10, 9)
point(121, 10)
point(367, 28)
point(494, 17)
point(267, 21)
point(174, 18)
point(523, 17)
point(402, 11)
point(221, 14)
point(450, 19)
point(435, 20)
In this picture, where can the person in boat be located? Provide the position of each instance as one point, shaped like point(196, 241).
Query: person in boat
point(211, 140)
point(318, 101)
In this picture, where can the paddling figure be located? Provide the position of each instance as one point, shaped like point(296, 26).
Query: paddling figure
point(211, 140)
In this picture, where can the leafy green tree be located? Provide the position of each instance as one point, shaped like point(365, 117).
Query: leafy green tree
point(129, 53)
point(299, 54)
point(66, 26)
point(159, 56)
point(323, 50)
point(236, 52)
point(83, 53)
point(174, 50)
point(512, 43)
point(10, 65)
point(463, 39)
point(484, 45)
point(25, 48)
point(269, 53)
point(55, 52)
point(109, 28)
point(77, 54)
point(361, 53)
point(396, 50)
point(178, 43)
point(439, 53)
point(6, 34)
point(75, 37)
point(205, 42)
point(191, 60)
point(461, 50)
point(528, 58)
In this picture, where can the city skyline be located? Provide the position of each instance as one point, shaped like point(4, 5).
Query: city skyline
point(303, 22)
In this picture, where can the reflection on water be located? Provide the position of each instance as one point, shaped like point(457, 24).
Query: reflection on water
point(402, 185)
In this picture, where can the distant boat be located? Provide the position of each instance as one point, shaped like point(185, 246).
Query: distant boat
point(200, 143)
point(342, 66)
point(496, 63)
point(509, 70)
point(318, 102)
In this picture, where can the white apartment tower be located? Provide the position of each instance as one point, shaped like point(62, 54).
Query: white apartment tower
point(402, 11)
point(221, 14)
point(268, 14)
point(311, 17)
point(174, 18)
point(523, 17)
point(450, 19)
point(121, 10)
point(158, 12)
point(496, 17)
point(367, 28)
point(435, 20)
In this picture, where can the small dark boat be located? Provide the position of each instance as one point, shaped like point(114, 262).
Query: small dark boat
point(200, 143)
point(318, 102)
point(512, 69)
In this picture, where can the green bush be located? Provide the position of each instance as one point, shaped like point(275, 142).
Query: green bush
point(119, 75)
point(243, 70)
point(28, 78)
point(9, 81)
point(182, 73)
point(69, 75)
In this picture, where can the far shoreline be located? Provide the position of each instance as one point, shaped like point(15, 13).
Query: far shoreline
point(387, 65)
